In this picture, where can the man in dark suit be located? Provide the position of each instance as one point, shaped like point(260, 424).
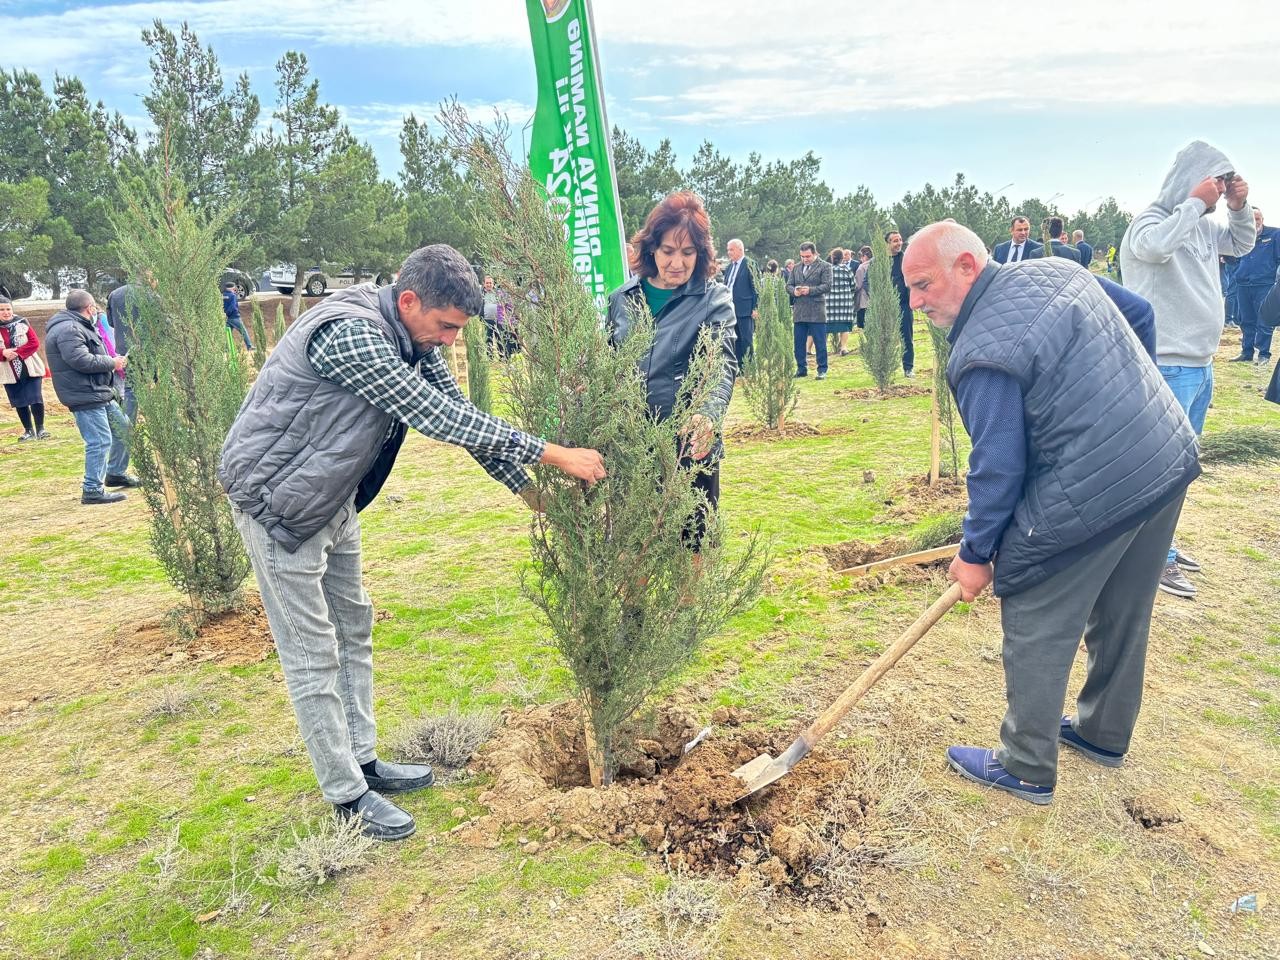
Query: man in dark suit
point(1019, 246)
point(1086, 249)
point(1058, 246)
point(742, 284)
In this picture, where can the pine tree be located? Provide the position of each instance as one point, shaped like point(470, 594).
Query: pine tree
point(769, 381)
point(881, 339)
point(479, 387)
point(188, 393)
point(627, 602)
point(259, 337)
point(280, 327)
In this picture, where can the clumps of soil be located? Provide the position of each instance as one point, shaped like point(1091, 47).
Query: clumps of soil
point(854, 553)
point(1151, 811)
point(233, 638)
point(679, 805)
point(872, 393)
point(753, 432)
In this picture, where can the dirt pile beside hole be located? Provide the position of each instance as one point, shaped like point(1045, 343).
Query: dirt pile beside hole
point(1150, 811)
point(872, 393)
point(234, 638)
point(753, 432)
point(684, 809)
point(854, 553)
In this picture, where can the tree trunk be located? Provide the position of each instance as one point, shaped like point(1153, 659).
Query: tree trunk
point(935, 441)
point(595, 755)
point(295, 305)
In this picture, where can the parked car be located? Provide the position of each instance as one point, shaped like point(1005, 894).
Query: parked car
point(317, 282)
point(244, 283)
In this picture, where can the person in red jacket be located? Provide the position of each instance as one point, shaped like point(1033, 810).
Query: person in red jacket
point(22, 371)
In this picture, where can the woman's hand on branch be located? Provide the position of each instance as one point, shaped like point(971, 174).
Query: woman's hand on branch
point(700, 433)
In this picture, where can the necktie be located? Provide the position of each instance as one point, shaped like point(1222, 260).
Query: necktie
point(1017, 252)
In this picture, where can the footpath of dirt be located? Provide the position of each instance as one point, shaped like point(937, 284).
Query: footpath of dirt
point(679, 806)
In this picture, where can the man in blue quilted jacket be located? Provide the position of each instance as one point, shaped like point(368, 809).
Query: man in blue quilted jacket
point(1081, 459)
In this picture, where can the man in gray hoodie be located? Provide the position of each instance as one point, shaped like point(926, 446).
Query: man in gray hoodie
point(1169, 256)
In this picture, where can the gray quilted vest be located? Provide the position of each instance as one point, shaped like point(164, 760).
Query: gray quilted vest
point(301, 445)
point(1106, 439)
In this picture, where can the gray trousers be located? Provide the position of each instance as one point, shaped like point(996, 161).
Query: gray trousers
point(322, 622)
point(1107, 596)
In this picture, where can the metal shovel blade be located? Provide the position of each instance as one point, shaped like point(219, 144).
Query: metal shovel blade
point(757, 774)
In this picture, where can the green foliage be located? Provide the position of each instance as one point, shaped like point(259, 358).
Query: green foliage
point(768, 381)
point(479, 386)
point(279, 327)
point(881, 339)
point(23, 207)
point(942, 393)
point(259, 336)
point(938, 532)
point(436, 192)
point(625, 598)
point(188, 391)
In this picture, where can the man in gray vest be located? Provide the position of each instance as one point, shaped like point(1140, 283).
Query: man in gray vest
point(314, 441)
point(1081, 459)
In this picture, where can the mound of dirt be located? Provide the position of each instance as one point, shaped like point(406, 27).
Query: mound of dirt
point(1151, 811)
point(871, 393)
point(854, 553)
point(681, 806)
point(234, 638)
point(752, 432)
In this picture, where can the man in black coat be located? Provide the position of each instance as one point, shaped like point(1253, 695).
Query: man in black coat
point(84, 380)
point(739, 277)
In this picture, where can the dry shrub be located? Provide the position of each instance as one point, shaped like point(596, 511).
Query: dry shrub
point(336, 847)
point(447, 740)
point(938, 532)
point(680, 922)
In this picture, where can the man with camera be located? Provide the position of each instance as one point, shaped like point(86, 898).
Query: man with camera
point(1169, 256)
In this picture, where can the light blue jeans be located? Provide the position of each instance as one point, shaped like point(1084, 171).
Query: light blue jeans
point(105, 431)
point(1193, 389)
point(322, 623)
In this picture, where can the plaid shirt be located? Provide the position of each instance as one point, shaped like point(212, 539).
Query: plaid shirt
point(356, 355)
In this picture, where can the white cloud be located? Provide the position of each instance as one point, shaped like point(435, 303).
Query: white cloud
point(374, 120)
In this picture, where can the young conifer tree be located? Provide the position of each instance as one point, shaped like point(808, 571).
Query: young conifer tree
point(479, 385)
point(277, 334)
point(627, 601)
point(188, 392)
point(259, 337)
point(942, 397)
point(881, 339)
point(769, 376)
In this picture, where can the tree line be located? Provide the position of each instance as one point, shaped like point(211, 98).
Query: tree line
point(302, 189)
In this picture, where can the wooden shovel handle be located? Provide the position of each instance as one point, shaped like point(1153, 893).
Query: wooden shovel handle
point(883, 663)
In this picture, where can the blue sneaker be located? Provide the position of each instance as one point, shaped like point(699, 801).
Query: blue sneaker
point(1067, 734)
point(981, 766)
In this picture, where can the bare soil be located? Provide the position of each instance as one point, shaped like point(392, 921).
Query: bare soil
point(751, 433)
point(872, 393)
point(679, 806)
point(854, 553)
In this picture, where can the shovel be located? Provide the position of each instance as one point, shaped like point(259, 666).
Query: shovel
point(763, 770)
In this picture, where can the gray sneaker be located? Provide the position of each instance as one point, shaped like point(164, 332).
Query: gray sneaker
point(1187, 563)
point(1175, 582)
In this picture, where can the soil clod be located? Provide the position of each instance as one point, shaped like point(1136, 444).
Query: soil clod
point(1150, 811)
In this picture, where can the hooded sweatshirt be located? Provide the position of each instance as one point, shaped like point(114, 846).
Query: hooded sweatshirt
point(1169, 256)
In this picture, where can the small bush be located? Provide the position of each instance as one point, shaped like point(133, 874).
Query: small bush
point(938, 532)
point(768, 377)
point(445, 740)
point(336, 847)
point(259, 337)
point(881, 339)
point(479, 388)
point(280, 327)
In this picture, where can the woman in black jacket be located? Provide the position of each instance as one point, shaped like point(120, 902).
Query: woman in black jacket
point(673, 263)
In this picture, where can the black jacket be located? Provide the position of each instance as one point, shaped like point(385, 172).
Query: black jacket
point(83, 371)
point(744, 293)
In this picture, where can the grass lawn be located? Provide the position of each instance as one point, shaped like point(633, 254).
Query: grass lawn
point(155, 795)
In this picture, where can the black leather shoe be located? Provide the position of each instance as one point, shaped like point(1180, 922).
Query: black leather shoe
point(1241, 359)
point(102, 497)
point(122, 480)
point(399, 777)
point(379, 817)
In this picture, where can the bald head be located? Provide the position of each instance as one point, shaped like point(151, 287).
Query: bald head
point(941, 264)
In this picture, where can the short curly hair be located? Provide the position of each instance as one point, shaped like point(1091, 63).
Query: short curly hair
point(682, 211)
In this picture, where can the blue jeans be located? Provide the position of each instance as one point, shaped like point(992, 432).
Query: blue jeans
point(1252, 334)
point(803, 331)
point(235, 323)
point(1193, 389)
point(106, 444)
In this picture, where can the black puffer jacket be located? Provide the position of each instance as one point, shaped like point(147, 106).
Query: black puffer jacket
point(83, 371)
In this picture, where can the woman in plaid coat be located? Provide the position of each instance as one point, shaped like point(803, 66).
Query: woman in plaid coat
point(840, 300)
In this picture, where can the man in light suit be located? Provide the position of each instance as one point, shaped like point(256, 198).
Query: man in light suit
point(742, 285)
point(1019, 246)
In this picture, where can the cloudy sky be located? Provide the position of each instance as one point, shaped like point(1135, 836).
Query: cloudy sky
point(1082, 103)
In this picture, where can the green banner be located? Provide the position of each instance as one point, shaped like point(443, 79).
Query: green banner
point(569, 153)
